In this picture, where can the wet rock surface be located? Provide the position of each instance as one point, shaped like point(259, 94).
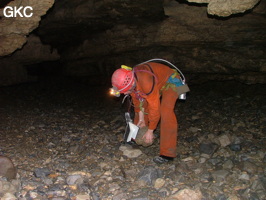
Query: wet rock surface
point(65, 137)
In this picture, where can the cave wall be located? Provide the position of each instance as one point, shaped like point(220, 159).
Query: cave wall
point(17, 46)
point(206, 39)
point(205, 47)
point(13, 68)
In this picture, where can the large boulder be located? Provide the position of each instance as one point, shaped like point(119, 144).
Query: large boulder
point(7, 168)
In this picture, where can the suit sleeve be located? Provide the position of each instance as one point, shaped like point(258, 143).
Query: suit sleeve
point(153, 101)
point(148, 85)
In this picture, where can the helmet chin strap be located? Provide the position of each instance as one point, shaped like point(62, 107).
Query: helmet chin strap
point(125, 98)
point(131, 90)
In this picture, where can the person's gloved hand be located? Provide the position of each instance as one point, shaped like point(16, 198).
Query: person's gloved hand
point(148, 137)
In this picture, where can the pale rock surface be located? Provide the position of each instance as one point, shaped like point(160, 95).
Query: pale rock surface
point(130, 152)
point(9, 187)
point(9, 196)
point(159, 183)
point(225, 8)
point(186, 194)
point(13, 30)
point(83, 197)
point(224, 140)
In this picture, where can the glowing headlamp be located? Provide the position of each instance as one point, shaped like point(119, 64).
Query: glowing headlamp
point(114, 91)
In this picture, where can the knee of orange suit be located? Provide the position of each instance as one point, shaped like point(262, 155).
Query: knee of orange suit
point(169, 98)
point(167, 112)
point(168, 118)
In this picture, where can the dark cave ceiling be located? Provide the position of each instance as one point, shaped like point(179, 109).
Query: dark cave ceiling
point(76, 21)
point(90, 38)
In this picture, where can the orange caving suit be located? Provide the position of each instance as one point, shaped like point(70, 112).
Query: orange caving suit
point(150, 79)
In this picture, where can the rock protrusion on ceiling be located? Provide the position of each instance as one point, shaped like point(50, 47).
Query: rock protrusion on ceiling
point(34, 52)
point(225, 8)
point(188, 37)
point(14, 30)
point(76, 20)
point(12, 70)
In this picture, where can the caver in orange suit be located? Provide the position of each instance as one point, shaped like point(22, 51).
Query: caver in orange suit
point(158, 102)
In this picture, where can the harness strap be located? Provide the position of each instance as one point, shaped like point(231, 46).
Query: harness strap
point(154, 78)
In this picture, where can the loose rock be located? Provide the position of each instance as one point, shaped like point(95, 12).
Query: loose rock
point(7, 168)
point(139, 139)
point(186, 194)
point(66, 145)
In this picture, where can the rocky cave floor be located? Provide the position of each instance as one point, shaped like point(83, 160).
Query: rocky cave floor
point(65, 138)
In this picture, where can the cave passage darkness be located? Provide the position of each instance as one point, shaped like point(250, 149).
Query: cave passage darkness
point(64, 132)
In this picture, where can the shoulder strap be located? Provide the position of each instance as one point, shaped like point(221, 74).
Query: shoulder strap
point(153, 77)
